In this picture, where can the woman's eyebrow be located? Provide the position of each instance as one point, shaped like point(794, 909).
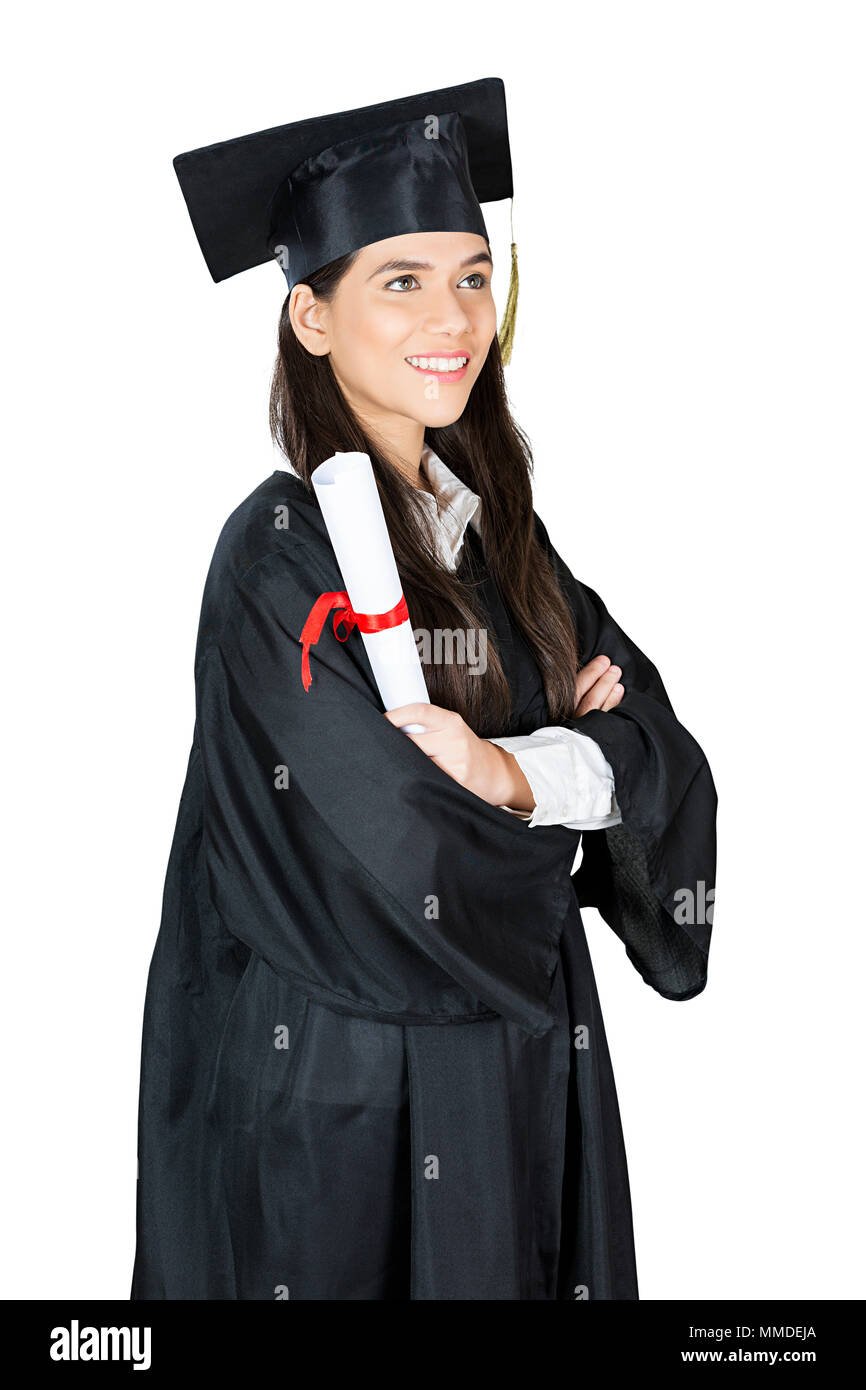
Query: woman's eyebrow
point(404, 266)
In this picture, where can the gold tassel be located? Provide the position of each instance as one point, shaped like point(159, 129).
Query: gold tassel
point(509, 318)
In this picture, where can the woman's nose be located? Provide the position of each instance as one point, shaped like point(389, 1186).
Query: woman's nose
point(446, 315)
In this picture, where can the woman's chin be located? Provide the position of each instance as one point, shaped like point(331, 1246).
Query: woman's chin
point(439, 414)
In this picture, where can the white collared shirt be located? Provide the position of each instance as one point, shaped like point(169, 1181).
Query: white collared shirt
point(569, 777)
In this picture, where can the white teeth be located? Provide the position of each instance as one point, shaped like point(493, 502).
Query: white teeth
point(438, 364)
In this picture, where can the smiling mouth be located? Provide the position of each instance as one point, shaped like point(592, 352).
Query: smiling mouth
point(446, 368)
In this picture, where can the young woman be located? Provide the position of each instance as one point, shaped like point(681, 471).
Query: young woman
point(374, 1064)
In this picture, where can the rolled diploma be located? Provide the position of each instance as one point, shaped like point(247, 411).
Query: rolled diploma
point(350, 504)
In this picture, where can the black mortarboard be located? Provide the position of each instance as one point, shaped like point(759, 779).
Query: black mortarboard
point(315, 190)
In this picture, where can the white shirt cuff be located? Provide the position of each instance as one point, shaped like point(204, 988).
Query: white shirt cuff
point(569, 777)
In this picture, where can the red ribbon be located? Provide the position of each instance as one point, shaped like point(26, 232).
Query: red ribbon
point(365, 622)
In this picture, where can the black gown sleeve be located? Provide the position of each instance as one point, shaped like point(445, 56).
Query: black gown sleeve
point(338, 851)
point(652, 877)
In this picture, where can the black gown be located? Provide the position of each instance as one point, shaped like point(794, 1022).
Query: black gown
point(374, 1064)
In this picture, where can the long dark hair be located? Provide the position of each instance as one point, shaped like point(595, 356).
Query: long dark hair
point(310, 420)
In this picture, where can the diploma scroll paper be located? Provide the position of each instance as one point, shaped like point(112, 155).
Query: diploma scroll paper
point(349, 501)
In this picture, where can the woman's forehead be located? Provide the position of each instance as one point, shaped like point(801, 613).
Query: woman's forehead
point(426, 249)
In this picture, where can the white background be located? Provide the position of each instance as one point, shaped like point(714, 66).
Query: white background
point(689, 366)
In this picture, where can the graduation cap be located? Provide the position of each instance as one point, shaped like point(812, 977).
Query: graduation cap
point(312, 191)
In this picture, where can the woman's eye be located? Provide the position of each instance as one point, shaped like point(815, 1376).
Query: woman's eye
point(403, 283)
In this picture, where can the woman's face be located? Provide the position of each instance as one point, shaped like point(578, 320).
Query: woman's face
point(408, 328)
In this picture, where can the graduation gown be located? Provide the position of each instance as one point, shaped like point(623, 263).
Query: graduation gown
point(374, 1064)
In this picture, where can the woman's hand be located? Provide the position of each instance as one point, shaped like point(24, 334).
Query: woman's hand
point(597, 686)
point(482, 767)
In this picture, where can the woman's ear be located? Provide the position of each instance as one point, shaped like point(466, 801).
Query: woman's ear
point(308, 317)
